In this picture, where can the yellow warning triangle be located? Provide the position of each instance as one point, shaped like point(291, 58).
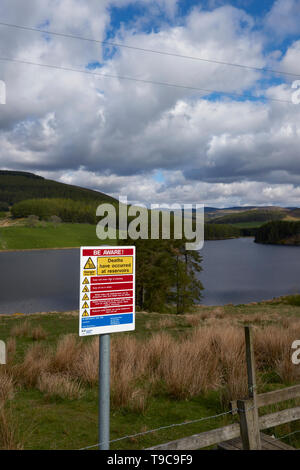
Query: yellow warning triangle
point(85, 314)
point(89, 264)
point(85, 305)
point(86, 281)
point(85, 297)
point(85, 289)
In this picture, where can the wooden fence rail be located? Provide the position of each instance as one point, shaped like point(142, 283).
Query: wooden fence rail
point(250, 423)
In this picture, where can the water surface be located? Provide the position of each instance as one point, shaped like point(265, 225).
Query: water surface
point(234, 271)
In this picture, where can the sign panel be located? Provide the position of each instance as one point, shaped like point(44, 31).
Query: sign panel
point(2, 352)
point(107, 290)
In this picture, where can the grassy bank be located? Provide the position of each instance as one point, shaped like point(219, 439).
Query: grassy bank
point(172, 369)
point(48, 236)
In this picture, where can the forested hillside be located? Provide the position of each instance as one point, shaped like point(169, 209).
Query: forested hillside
point(279, 232)
point(18, 186)
point(254, 215)
point(67, 210)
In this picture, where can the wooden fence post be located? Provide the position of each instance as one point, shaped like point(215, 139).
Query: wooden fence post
point(248, 411)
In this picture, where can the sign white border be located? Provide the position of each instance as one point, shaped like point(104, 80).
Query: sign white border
point(98, 330)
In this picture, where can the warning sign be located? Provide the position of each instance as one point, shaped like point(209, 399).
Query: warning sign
point(114, 265)
point(89, 264)
point(89, 273)
point(108, 276)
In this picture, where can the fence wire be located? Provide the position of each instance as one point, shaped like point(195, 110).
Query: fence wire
point(205, 418)
point(286, 435)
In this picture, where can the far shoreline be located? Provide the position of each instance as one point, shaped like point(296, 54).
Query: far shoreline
point(281, 300)
point(15, 250)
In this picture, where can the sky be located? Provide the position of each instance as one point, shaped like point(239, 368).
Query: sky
point(237, 143)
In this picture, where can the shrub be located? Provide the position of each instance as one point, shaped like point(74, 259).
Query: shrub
point(32, 221)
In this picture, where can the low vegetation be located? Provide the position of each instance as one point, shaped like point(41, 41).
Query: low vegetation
point(173, 368)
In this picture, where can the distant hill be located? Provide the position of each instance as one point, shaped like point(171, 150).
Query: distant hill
point(16, 186)
point(253, 215)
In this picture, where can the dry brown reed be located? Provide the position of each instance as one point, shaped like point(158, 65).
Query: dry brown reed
point(38, 333)
point(6, 388)
point(57, 385)
point(9, 439)
point(166, 322)
point(26, 330)
point(210, 357)
point(10, 349)
point(37, 359)
point(22, 329)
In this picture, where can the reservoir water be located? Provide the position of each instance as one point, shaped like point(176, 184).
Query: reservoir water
point(234, 271)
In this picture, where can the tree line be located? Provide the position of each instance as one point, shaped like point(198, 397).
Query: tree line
point(85, 212)
point(214, 231)
point(278, 232)
point(67, 209)
point(166, 275)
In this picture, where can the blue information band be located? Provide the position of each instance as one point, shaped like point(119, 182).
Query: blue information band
point(106, 320)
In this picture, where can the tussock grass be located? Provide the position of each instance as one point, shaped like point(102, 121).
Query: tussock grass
point(211, 356)
point(9, 431)
point(6, 388)
point(25, 330)
point(194, 319)
point(67, 354)
point(37, 359)
point(38, 333)
point(166, 322)
point(22, 330)
point(156, 373)
point(10, 350)
point(56, 385)
point(9, 439)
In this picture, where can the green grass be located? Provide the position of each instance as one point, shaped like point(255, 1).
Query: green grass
point(48, 236)
point(56, 423)
point(254, 224)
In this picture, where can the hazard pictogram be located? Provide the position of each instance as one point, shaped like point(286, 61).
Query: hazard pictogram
point(85, 297)
point(85, 305)
point(85, 289)
point(89, 264)
point(86, 281)
point(85, 314)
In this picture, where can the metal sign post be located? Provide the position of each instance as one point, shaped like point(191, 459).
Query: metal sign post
point(104, 391)
point(106, 305)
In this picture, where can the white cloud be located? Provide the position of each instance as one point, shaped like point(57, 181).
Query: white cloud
point(112, 134)
point(284, 17)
